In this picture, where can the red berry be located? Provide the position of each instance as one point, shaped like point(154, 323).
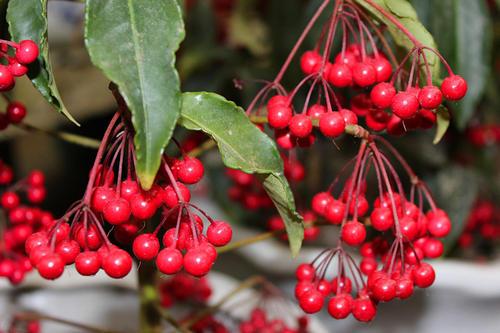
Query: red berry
point(302, 287)
point(197, 262)
point(15, 112)
point(128, 188)
point(427, 118)
point(6, 79)
point(9, 200)
point(353, 233)
point(430, 97)
point(350, 118)
point(454, 87)
point(404, 287)
point(171, 199)
point(146, 246)
point(310, 62)
point(332, 124)
point(382, 95)
point(284, 139)
point(50, 266)
point(117, 263)
point(423, 275)
point(347, 58)
point(408, 227)
point(27, 52)
point(364, 309)
point(169, 261)
point(34, 240)
point(190, 170)
point(7, 268)
point(101, 197)
point(320, 201)
point(311, 301)
point(300, 125)
point(142, 206)
point(324, 287)
point(381, 219)
point(335, 211)
point(36, 195)
point(340, 306)
point(68, 250)
point(368, 265)
point(88, 263)
point(364, 74)
point(341, 285)
point(219, 233)
point(16, 68)
point(36, 178)
point(384, 289)
point(305, 272)
point(279, 116)
point(277, 100)
point(340, 75)
point(316, 110)
point(433, 248)
point(439, 225)
point(117, 211)
point(405, 105)
point(383, 68)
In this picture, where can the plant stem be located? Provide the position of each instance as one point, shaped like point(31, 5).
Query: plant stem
point(150, 316)
point(31, 315)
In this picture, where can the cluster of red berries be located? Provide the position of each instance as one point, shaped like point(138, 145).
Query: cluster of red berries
point(484, 135)
point(260, 322)
point(26, 53)
point(21, 221)
point(209, 324)
point(184, 287)
point(391, 271)
point(14, 114)
point(482, 224)
point(311, 231)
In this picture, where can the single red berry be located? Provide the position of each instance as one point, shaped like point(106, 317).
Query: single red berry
point(146, 247)
point(36, 194)
point(383, 68)
point(191, 170)
point(340, 306)
point(302, 287)
point(360, 205)
point(117, 211)
point(16, 68)
point(50, 267)
point(310, 62)
point(316, 110)
point(430, 97)
point(320, 201)
point(364, 309)
point(427, 118)
point(335, 211)
point(9, 200)
point(311, 301)
point(350, 118)
point(353, 233)
point(404, 287)
point(197, 262)
point(34, 240)
point(284, 139)
point(364, 74)
point(439, 225)
point(340, 75)
point(68, 250)
point(384, 289)
point(171, 199)
point(279, 116)
point(347, 58)
point(219, 233)
point(88, 263)
point(332, 124)
point(305, 272)
point(142, 206)
point(368, 265)
point(405, 105)
point(382, 94)
point(7, 268)
point(433, 248)
point(408, 227)
point(277, 100)
point(6, 78)
point(36, 178)
point(129, 188)
point(300, 125)
point(101, 197)
point(26, 52)
point(454, 87)
point(117, 263)
point(324, 287)
point(341, 285)
point(169, 261)
point(381, 219)
point(15, 112)
point(423, 275)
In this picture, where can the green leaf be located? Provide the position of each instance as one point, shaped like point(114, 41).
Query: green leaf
point(243, 146)
point(134, 44)
point(406, 15)
point(28, 20)
point(442, 123)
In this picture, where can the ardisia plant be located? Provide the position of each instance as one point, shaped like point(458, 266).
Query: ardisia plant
point(369, 73)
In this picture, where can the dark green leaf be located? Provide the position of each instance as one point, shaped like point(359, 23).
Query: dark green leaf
point(134, 44)
point(243, 146)
point(442, 123)
point(28, 20)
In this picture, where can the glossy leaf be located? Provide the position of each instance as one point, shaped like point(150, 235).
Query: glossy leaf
point(442, 123)
point(27, 19)
point(245, 147)
point(134, 44)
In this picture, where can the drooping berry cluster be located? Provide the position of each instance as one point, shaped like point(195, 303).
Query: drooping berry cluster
point(25, 53)
point(392, 260)
point(482, 226)
point(115, 199)
point(399, 100)
point(19, 221)
point(182, 287)
point(14, 114)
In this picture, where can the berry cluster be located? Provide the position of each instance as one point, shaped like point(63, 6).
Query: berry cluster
point(484, 135)
point(311, 231)
point(14, 114)
point(183, 287)
point(26, 52)
point(482, 225)
point(392, 260)
point(260, 322)
point(401, 94)
point(19, 221)
point(114, 199)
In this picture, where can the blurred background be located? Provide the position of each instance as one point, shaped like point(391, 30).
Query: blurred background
point(231, 43)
